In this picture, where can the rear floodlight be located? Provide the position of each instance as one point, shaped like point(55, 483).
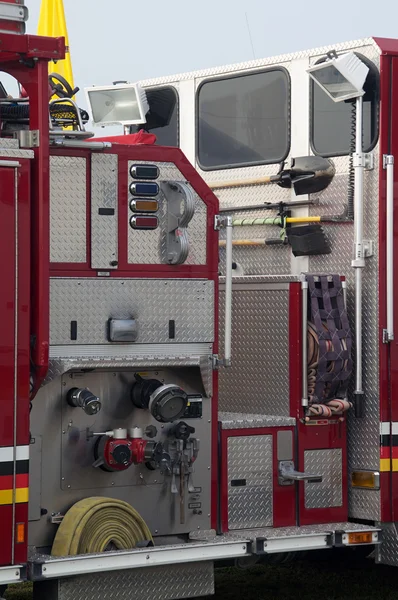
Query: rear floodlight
point(126, 104)
point(340, 77)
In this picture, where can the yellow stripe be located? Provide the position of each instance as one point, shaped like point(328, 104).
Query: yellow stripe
point(21, 495)
point(303, 219)
point(385, 464)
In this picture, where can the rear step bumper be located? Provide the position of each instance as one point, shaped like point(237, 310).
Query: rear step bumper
point(204, 546)
point(12, 574)
point(295, 539)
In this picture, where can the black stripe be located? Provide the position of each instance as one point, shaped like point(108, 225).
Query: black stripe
point(106, 211)
point(389, 440)
point(7, 468)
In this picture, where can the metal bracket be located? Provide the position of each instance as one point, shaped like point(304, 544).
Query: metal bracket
point(368, 248)
point(56, 518)
point(220, 222)
point(287, 474)
point(215, 362)
point(388, 159)
point(386, 338)
point(365, 160)
point(29, 138)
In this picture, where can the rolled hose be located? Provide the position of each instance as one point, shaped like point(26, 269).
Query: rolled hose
point(92, 524)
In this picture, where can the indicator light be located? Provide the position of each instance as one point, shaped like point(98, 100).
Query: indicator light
point(360, 538)
point(20, 533)
point(145, 206)
point(144, 189)
point(144, 171)
point(365, 479)
point(144, 222)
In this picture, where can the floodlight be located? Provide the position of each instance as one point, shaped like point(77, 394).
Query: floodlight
point(126, 104)
point(340, 77)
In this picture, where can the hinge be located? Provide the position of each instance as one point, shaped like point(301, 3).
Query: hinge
point(29, 138)
point(385, 337)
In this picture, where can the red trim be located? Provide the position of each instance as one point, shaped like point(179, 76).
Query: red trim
point(31, 46)
point(6, 535)
point(387, 45)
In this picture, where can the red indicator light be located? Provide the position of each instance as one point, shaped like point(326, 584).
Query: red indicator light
point(144, 222)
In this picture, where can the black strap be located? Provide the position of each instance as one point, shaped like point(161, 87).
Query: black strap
point(329, 316)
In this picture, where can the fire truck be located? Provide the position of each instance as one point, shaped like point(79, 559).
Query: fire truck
point(197, 340)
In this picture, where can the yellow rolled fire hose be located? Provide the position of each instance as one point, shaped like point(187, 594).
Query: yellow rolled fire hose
point(92, 524)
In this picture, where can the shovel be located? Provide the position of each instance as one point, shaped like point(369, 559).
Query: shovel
point(308, 175)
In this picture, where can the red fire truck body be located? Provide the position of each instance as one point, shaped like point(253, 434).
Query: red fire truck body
point(134, 454)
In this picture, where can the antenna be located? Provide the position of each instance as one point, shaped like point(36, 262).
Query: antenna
point(250, 35)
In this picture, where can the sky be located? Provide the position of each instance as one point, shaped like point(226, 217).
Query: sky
point(137, 39)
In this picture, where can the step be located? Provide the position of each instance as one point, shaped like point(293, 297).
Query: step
point(269, 540)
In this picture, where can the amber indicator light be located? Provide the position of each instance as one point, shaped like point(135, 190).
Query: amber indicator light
point(20, 533)
point(144, 222)
point(365, 479)
point(146, 206)
point(360, 538)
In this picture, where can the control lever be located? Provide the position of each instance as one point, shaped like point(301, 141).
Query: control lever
point(288, 474)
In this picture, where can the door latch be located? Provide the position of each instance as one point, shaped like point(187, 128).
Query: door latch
point(287, 474)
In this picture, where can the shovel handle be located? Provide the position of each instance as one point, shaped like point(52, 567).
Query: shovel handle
point(218, 185)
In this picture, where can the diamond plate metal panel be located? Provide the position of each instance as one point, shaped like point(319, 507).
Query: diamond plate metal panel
point(264, 62)
point(387, 551)
point(104, 195)
point(363, 504)
point(278, 532)
point(11, 153)
point(167, 582)
point(68, 358)
point(68, 206)
point(329, 492)
point(230, 420)
point(257, 379)
point(250, 458)
point(190, 303)
point(149, 247)
point(11, 143)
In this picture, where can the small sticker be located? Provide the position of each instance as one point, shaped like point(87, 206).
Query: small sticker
point(195, 505)
point(198, 490)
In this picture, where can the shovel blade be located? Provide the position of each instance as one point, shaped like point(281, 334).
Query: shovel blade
point(308, 174)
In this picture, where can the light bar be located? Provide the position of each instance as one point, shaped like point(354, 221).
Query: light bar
point(340, 77)
point(126, 104)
